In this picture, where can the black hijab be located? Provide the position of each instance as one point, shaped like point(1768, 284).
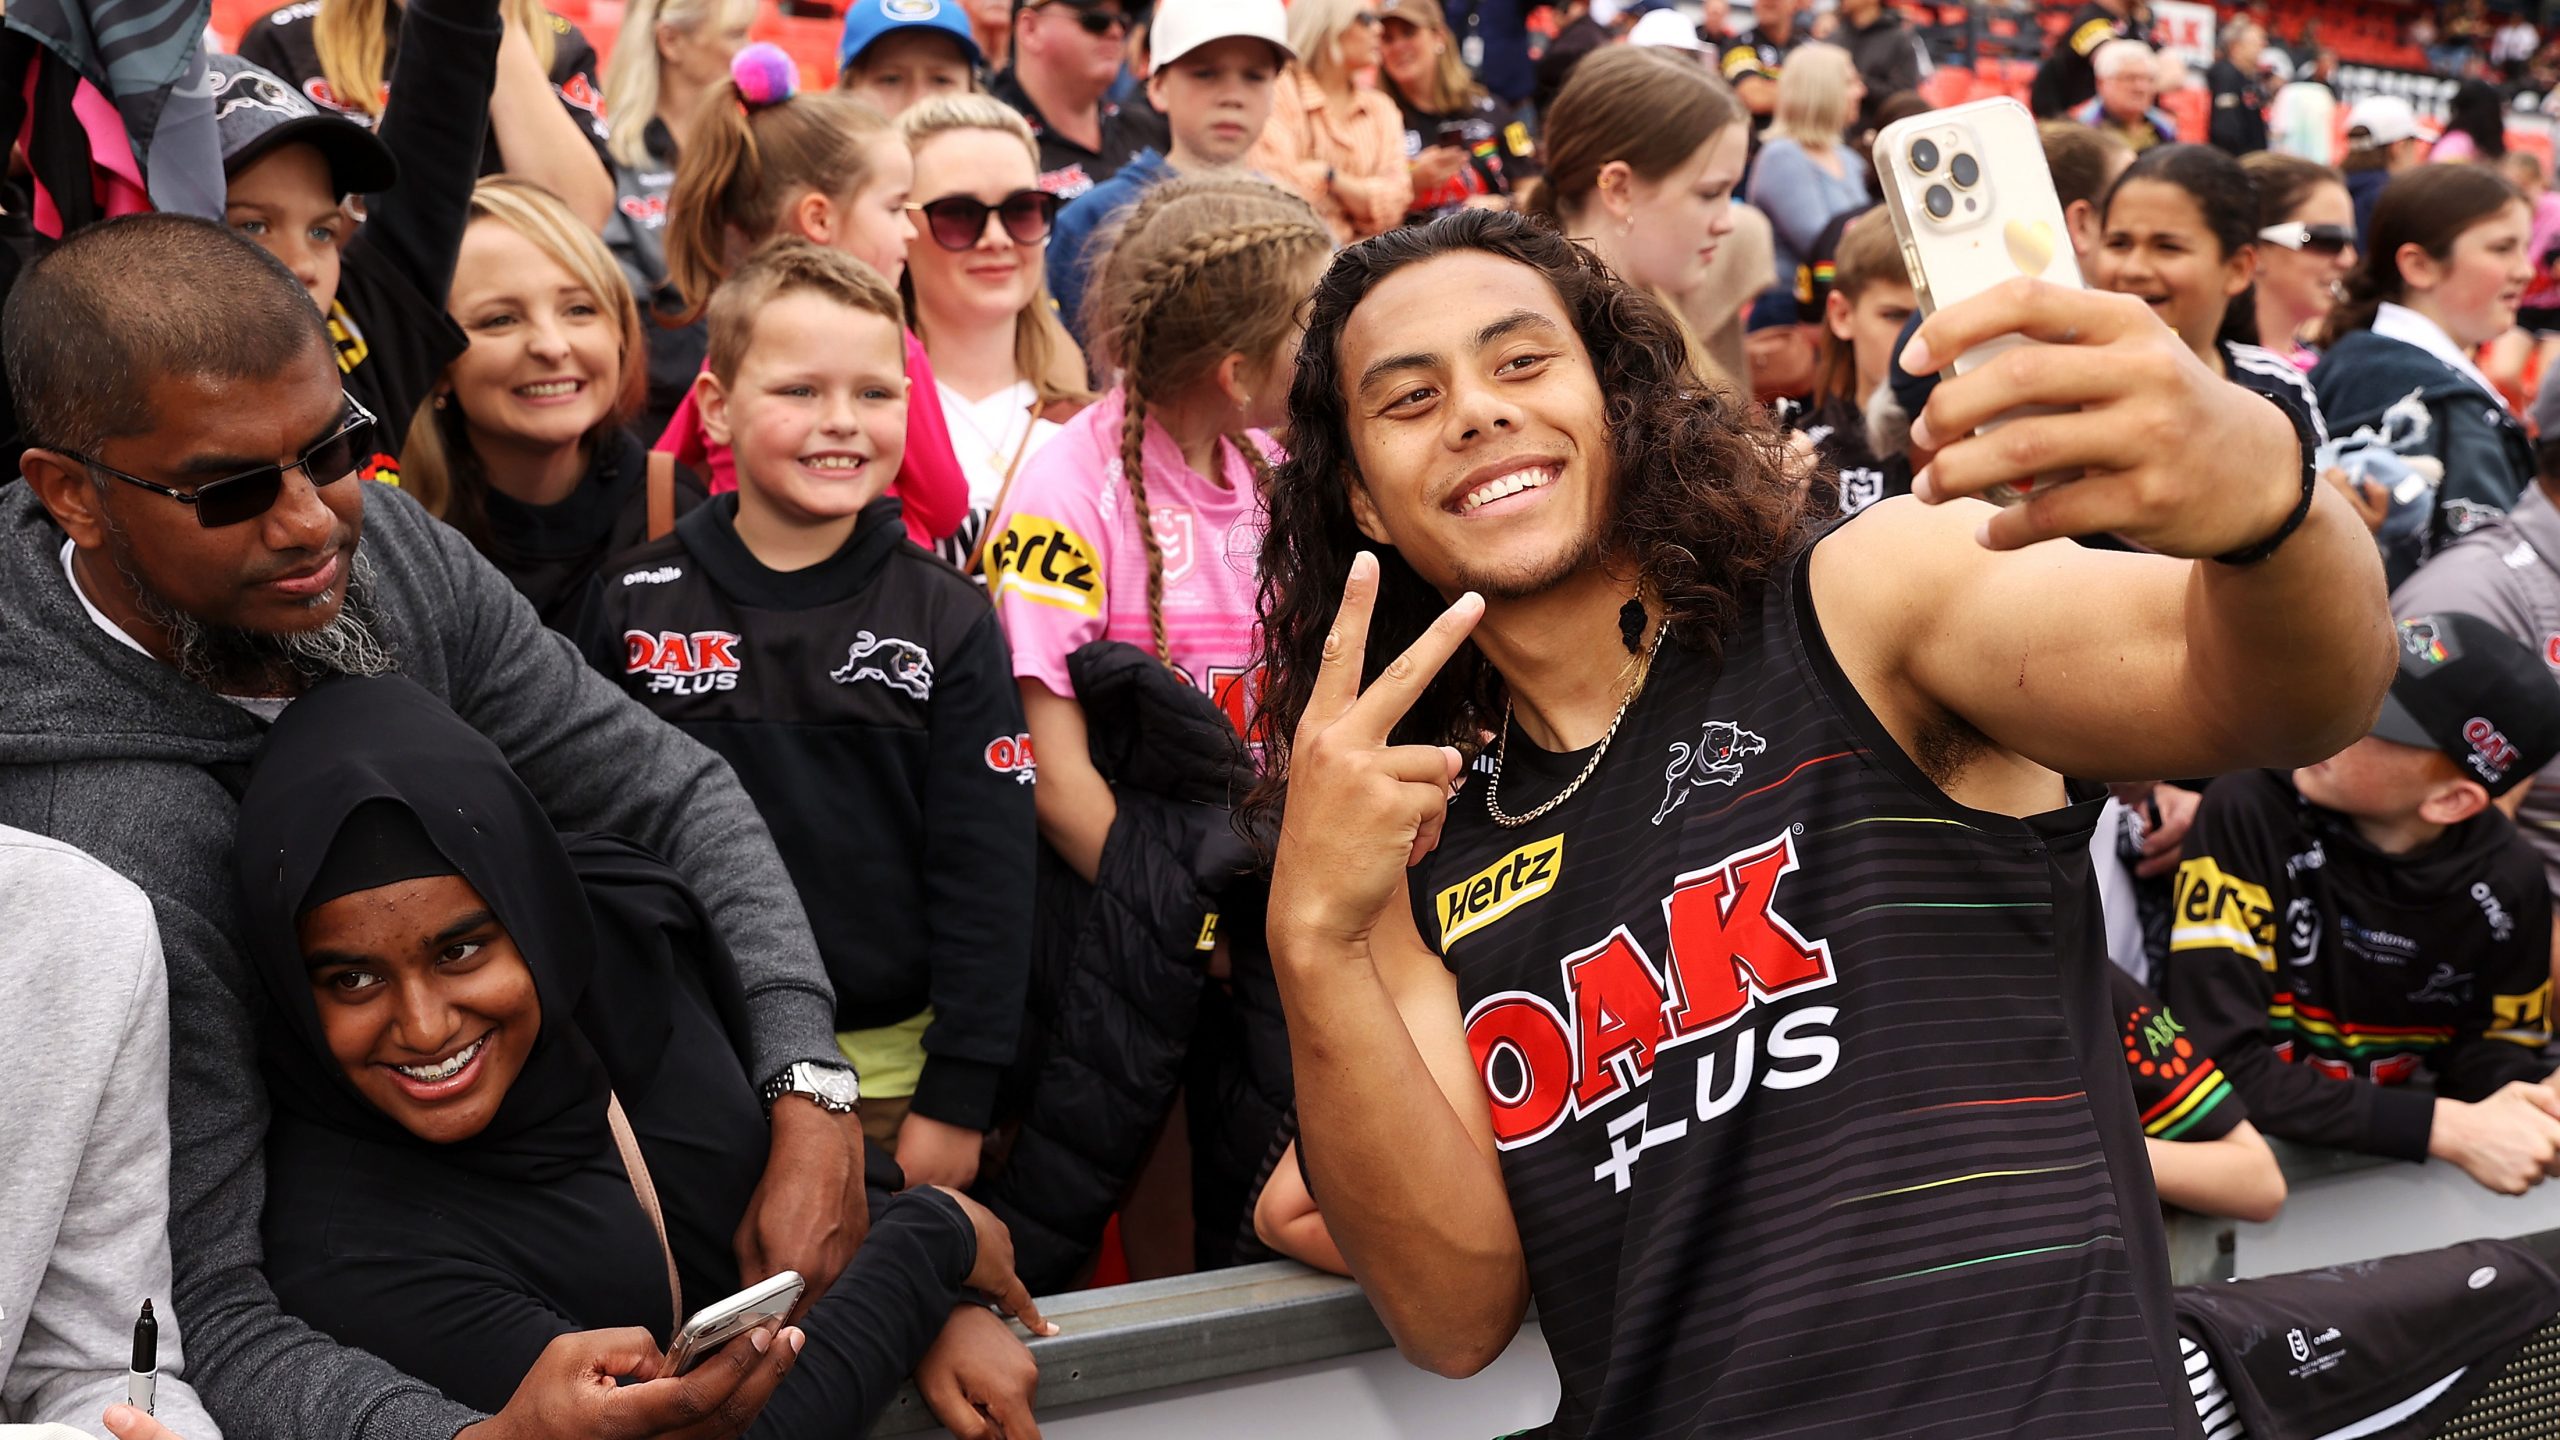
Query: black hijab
point(354, 741)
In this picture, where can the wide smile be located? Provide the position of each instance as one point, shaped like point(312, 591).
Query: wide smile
point(446, 1078)
point(562, 391)
point(1490, 492)
point(834, 464)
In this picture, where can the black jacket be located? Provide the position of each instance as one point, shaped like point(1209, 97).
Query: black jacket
point(2324, 975)
point(1123, 1015)
point(2488, 462)
point(2239, 124)
point(2067, 77)
point(553, 552)
point(867, 704)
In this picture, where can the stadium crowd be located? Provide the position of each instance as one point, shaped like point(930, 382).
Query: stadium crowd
point(850, 720)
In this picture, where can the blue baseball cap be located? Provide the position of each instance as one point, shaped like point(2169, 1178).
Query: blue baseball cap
point(867, 20)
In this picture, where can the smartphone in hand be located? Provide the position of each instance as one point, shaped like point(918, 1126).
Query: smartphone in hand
point(1973, 205)
point(716, 1325)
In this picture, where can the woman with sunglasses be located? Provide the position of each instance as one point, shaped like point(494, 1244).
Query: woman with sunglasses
point(522, 447)
point(1006, 370)
point(2307, 244)
point(1336, 143)
point(1465, 147)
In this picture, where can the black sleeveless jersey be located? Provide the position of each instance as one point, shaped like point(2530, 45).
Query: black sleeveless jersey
point(1809, 1098)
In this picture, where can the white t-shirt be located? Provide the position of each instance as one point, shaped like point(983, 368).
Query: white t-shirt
point(993, 436)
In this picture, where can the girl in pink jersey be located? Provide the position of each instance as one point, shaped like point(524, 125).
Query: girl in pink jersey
point(1198, 307)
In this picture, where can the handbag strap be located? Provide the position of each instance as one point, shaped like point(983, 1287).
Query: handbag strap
point(637, 1168)
point(662, 497)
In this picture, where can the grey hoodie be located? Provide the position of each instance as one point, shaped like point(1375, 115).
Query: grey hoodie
point(108, 750)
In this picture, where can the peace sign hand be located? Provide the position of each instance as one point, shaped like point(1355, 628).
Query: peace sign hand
point(1362, 811)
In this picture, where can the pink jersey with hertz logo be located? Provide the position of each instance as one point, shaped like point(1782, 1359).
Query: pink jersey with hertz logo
point(1067, 566)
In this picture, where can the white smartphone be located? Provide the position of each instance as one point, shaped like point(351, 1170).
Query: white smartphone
point(716, 1325)
point(1973, 205)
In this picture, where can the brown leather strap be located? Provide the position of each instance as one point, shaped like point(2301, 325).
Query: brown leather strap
point(634, 1164)
point(662, 494)
point(987, 532)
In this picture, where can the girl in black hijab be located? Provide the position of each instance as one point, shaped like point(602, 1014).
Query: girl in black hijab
point(469, 1004)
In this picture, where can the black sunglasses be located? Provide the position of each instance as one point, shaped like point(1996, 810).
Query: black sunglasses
point(1097, 23)
point(956, 221)
point(251, 493)
point(2318, 239)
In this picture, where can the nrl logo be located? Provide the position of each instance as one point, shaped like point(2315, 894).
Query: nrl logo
point(901, 665)
point(1715, 760)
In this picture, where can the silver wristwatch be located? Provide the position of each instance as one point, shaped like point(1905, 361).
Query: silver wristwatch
point(832, 1087)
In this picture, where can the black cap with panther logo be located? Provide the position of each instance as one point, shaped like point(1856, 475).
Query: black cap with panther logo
point(254, 113)
point(2477, 694)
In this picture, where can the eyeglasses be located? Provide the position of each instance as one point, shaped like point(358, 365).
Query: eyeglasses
point(1096, 23)
point(2317, 239)
point(1365, 19)
point(251, 493)
point(956, 221)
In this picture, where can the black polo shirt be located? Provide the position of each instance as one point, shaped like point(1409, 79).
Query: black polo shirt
point(1068, 169)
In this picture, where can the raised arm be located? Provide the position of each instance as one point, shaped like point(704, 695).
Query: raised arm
point(1393, 1121)
point(540, 140)
point(436, 125)
point(2100, 665)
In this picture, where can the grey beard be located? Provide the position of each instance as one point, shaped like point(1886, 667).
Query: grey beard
point(231, 661)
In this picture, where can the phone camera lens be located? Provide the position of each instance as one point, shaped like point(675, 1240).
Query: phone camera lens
point(1924, 155)
point(1965, 170)
point(1940, 200)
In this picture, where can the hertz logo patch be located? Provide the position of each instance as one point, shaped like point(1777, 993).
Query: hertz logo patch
point(1040, 559)
point(1500, 888)
point(2217, 910)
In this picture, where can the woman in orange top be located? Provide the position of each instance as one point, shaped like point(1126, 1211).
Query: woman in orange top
point(1337, 142)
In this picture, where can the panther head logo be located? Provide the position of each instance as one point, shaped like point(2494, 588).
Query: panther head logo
point(902, 665)
point(1716, 759)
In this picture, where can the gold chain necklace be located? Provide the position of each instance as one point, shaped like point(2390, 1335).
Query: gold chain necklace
point(1502, 746)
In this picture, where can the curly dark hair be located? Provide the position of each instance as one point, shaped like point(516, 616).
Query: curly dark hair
point(1705, 503)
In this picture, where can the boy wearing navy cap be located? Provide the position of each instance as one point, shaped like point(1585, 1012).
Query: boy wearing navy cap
point(897, 52)
point(2342, 929)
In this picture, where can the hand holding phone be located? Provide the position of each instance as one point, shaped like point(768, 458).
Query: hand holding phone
point(1974, 206)
point(764, 1303)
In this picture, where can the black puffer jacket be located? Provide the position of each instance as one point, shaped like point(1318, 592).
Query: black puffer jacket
point(1123, 1015)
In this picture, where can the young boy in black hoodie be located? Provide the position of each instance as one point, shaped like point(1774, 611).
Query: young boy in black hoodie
point(2343, 928)
point(860, 688)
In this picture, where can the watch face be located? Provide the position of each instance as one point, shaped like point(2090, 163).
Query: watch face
point(832, 1085)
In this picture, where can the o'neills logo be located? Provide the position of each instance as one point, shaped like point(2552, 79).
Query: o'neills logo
point(1498, 889)
point(1730, 950)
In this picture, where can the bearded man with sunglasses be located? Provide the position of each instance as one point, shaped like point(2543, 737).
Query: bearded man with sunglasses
point(1066, 54)
point(192, 549)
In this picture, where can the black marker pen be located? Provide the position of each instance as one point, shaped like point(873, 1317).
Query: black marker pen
point(145, 1375)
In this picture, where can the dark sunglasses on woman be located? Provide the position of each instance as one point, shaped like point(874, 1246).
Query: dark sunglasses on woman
point(251, 493)
point(2301, 235)
point(956, 221)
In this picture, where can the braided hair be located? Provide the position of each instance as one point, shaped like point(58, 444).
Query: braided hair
point(1201, 269)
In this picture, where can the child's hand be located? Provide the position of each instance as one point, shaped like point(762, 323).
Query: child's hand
point(934, 1153)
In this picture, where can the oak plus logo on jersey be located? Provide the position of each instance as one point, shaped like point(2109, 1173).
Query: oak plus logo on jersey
point(1498, 889)
point(1730, 950)
point(1011, 755)
point(680, 662)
